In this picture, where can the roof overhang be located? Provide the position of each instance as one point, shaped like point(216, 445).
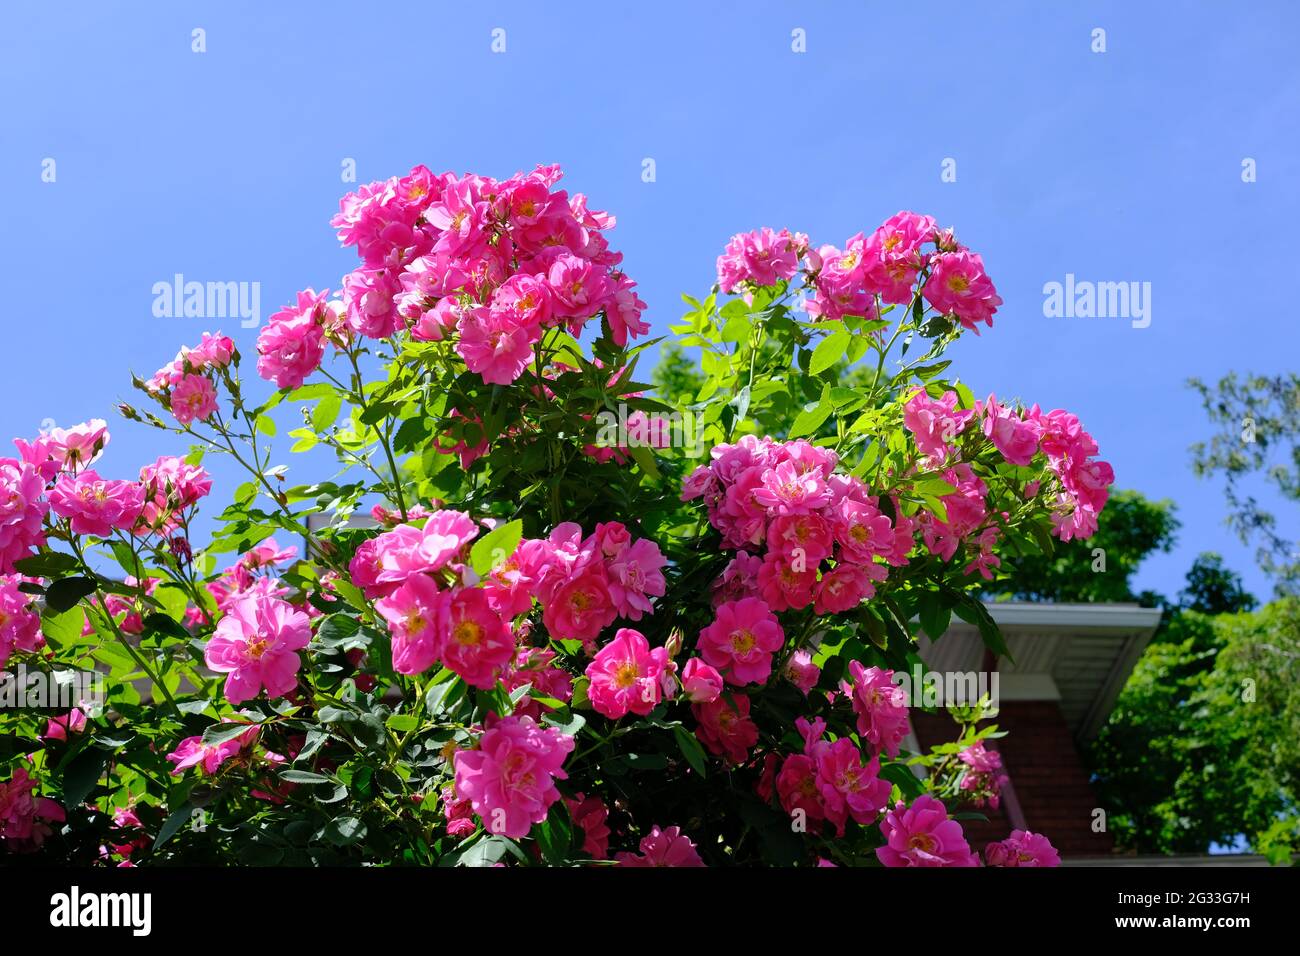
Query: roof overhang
point(1077, 654)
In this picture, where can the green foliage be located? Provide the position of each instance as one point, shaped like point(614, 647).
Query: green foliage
point(1257, 421)
point(1201, 747)
point(1100, 569)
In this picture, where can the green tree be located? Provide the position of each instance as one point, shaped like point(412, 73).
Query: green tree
point(1100, 569)
point(1201, 747)
point(1258, 437)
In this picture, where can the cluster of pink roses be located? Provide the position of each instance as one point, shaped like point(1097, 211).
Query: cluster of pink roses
point(488, 263)
point(25, 817)
point(185, 385)
point(786, 498)
point(54, 474)
point(1069, 450)
point(20, 624)
point(868, 271)
point(437, 611)
point(981, 781)
point(24, 482)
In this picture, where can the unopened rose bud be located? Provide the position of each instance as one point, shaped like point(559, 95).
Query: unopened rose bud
point(674, 643)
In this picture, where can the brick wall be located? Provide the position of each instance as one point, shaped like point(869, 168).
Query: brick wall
point(1050, 781)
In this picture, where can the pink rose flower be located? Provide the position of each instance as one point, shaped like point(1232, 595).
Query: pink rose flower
point(1014, 437)
point(881, 706)
point(1022, 848)
point(291, 345)
point(193, 399)
point(96, 505)
point(590, 813)
point(257, 644)
point(20, 625)
point(741, 641)
point(581, 607)
point(509, 778)
point(475, 641)
point(58, 728)
point(625, 675)
point(495, 345)
point(725, 728)
point(802, 672)
point(80, 446)
point(701, 683)
point(24, 817)
point(668, 847)
point(193, 752)
point(412, 613)
point(22, 511)
point(958, 285)
point(635, 575)
point(923, 835)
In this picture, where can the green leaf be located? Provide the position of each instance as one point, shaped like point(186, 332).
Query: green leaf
point(63, 594)
point(326, 411)
point(49, 564)
point(973, 611)
point(935, 615)
point(81, 775)
point(495, 547)
point(811, 418)
point(63, 629)
point(829, 351)
point(225, 731)
point(175, 820)
point(402, 723)
point(345, 831)
point(303, 776)
point(691, 749)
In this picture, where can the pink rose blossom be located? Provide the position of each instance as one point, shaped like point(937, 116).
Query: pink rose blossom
point(590, 813)
point(95, 505)
point(290, 347)
point(1022, 848)
point(475, 641)
point(20, 625)
point(257, 644)
point(741, 641)
point(635, 575)
point(881, 706)
point(193, 399)
point(411, 611)
point(668, 847)
point(958, 285)
point(802, 672)
point(80, 446)
point(509, 778)
point(58, 728)
point(701, 683)
point(923, 835)
point(625, 675)
point(725, 728)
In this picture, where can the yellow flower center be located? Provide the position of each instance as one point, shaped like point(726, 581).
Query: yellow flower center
point(467, 633)
point(921, 841)
point(742, 641)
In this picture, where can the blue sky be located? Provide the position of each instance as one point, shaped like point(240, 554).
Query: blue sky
point(1116, 166)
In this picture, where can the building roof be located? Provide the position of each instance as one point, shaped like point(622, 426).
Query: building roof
point(1077, 654)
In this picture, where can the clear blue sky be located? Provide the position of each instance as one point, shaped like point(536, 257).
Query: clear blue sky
point(1120, 166)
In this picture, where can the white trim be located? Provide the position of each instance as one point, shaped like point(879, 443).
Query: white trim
point(1074, 616)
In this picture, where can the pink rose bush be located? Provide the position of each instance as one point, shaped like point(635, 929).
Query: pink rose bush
point(493, 635)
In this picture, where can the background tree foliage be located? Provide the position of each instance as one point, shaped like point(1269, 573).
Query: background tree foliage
point(1257, 418)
